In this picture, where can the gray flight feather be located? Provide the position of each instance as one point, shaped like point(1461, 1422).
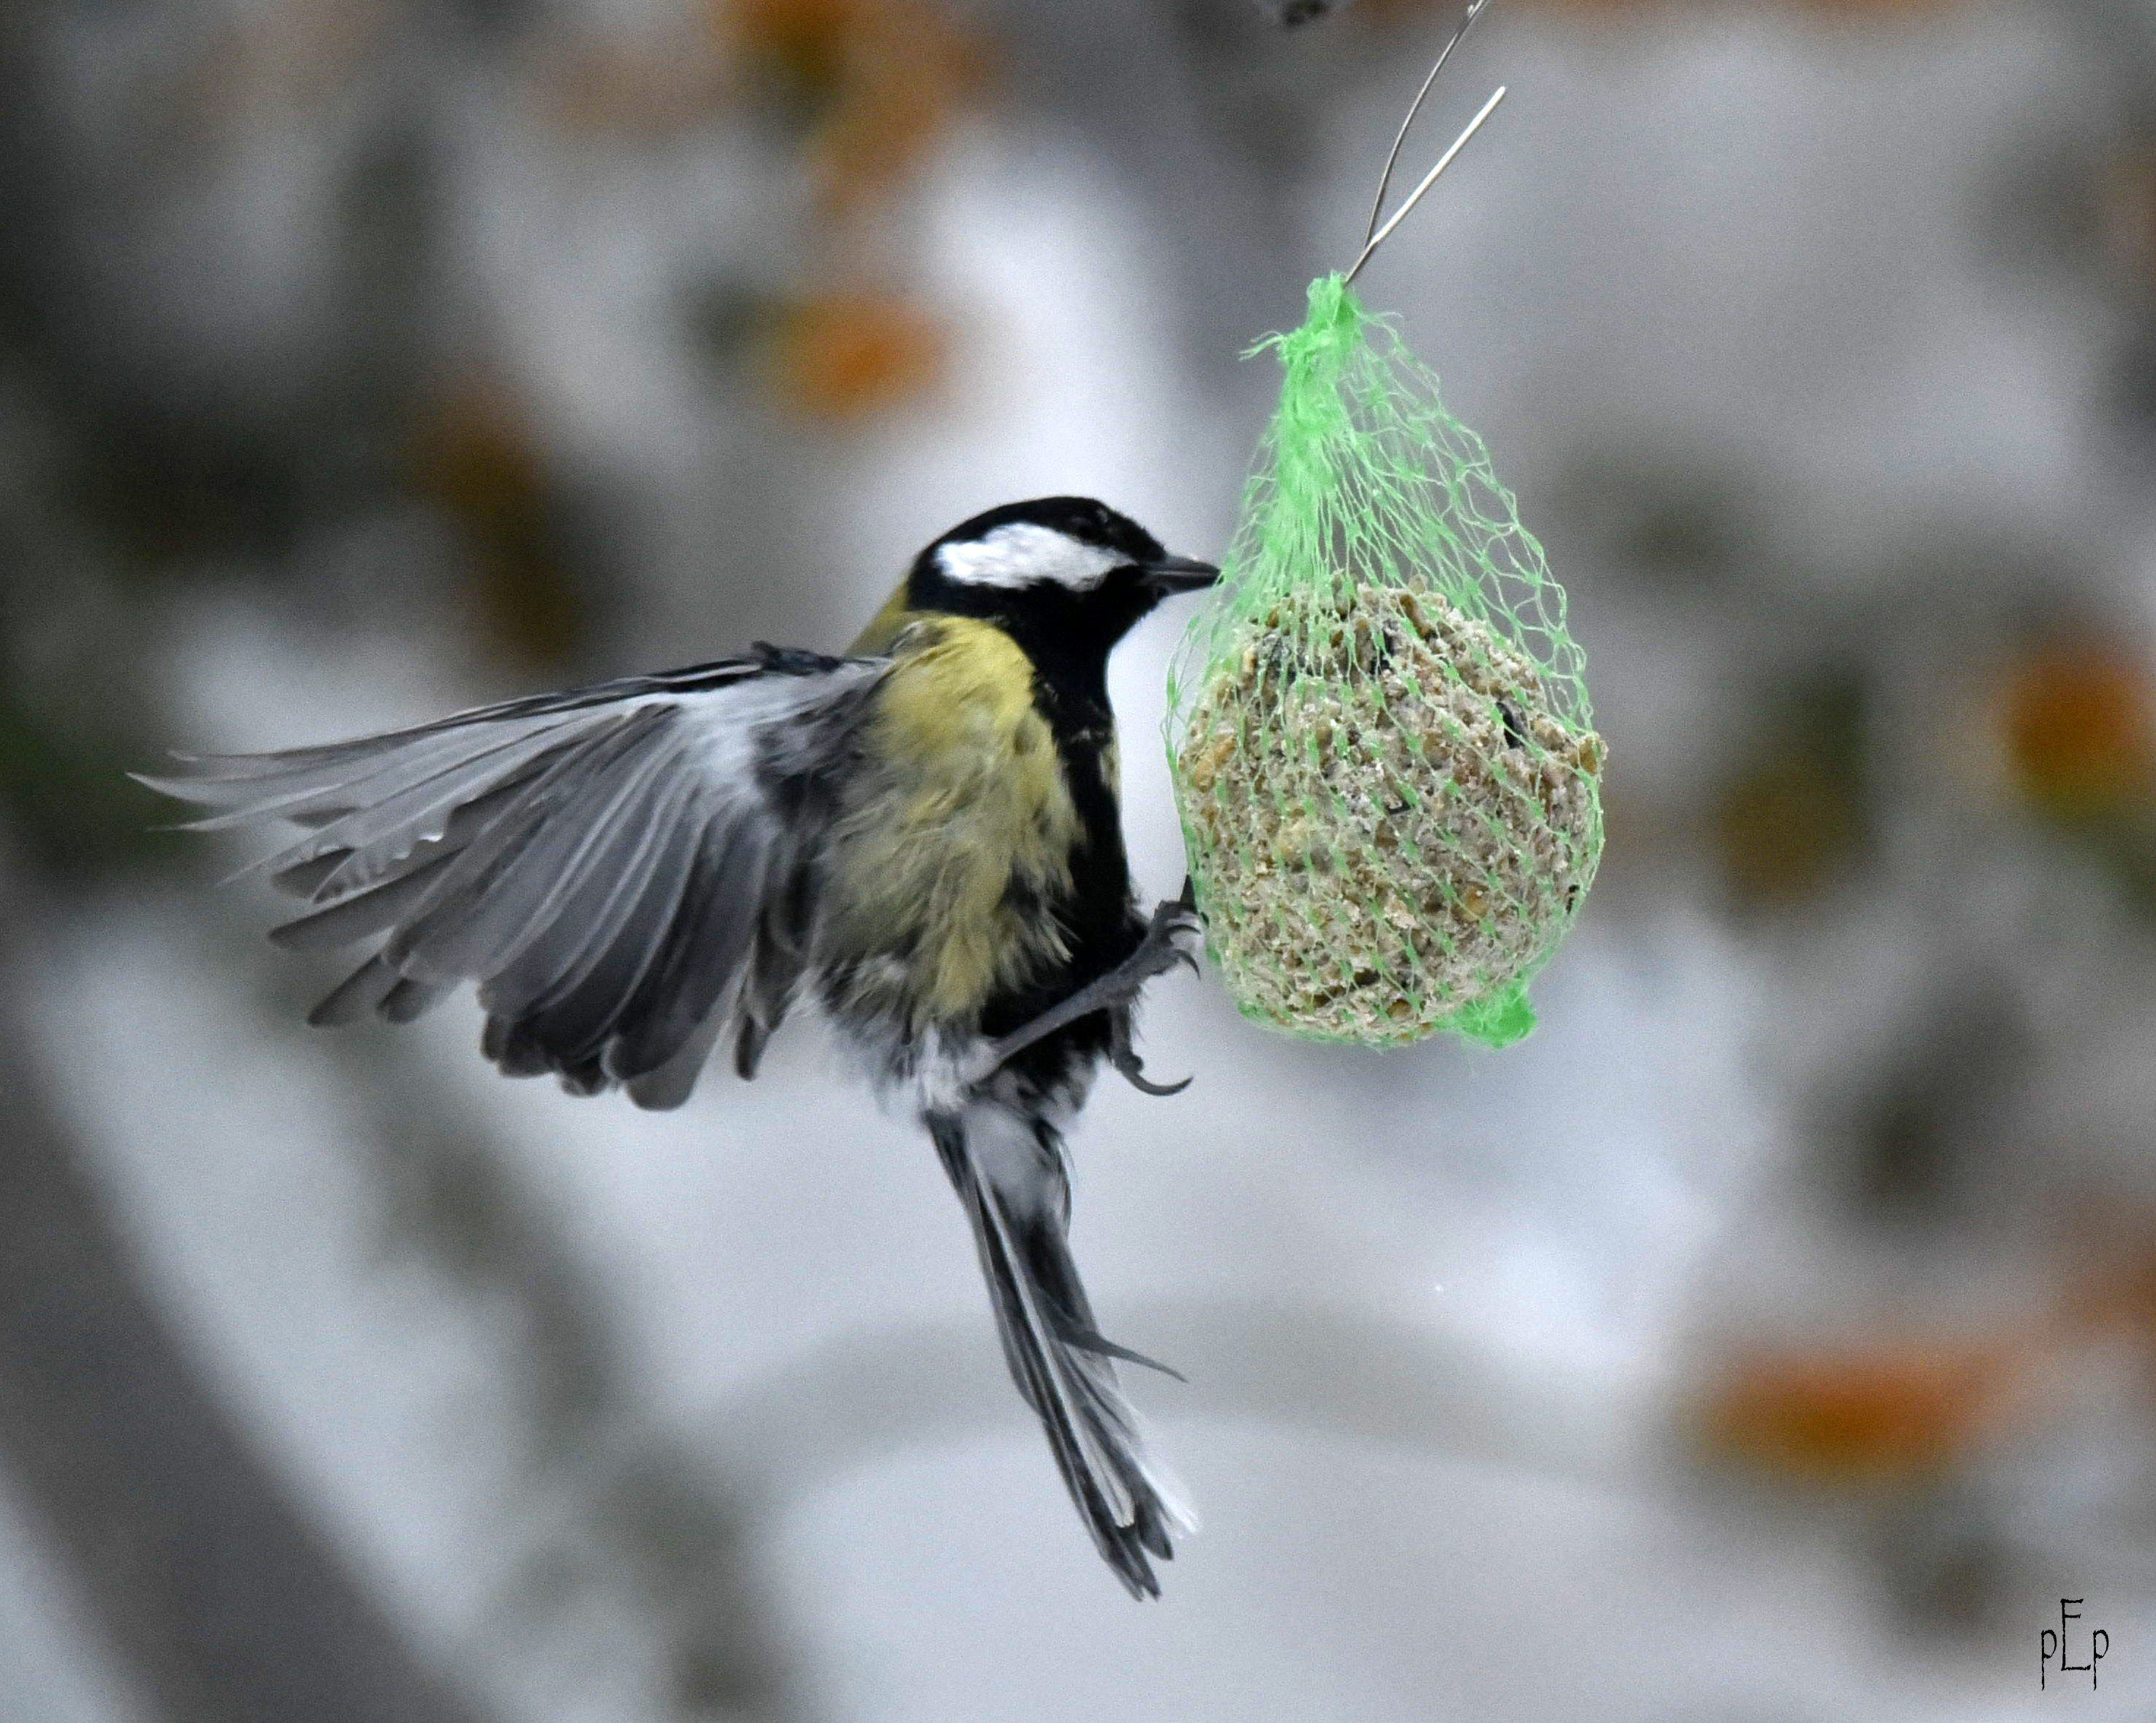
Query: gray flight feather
point(374, 911)
point(623, 869)
point(360, 993)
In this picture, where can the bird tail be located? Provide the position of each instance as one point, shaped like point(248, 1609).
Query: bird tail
point(1009, 1172)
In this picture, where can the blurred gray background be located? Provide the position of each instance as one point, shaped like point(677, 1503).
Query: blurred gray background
point(1768, 1339)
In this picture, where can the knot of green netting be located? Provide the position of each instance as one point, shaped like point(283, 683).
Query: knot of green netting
point(1383, 752)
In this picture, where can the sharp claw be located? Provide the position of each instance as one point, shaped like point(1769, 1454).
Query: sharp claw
point(1172, 922)
point(1126, 1060)
point(1133, 1073)
point(1145, 1084)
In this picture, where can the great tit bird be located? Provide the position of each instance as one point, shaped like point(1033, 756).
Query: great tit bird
point(923, 836)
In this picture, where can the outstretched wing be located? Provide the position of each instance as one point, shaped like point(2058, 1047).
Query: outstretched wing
point(626, 870)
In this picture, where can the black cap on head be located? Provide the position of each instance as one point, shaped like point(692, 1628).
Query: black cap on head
point(1064, 576)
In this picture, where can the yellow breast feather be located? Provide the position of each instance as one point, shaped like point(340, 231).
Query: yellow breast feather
point(964, 823)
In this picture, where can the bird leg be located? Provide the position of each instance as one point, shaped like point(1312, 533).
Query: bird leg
point(1115, 993)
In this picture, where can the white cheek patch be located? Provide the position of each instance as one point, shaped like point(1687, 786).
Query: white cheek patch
point(1023, 555)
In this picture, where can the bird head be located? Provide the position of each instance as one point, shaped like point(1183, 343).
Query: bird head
point(1062, 575)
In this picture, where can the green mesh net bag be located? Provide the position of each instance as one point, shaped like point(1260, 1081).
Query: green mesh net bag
point(1384, 755)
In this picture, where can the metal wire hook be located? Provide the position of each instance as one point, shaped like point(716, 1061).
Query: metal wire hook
point(1428, 180)
point(1474, 10)
point(1373, 236)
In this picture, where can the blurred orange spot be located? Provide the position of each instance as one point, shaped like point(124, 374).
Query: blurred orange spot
point(476, 457)
point(1784, 830)
point(476, 452)
point(1890, 1415)
point(885, 129)
point(845, 357)
point(2078, 731)
point(808, 42)
point(880, 80)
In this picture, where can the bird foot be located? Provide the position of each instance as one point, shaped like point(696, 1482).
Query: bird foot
point(1173, 923)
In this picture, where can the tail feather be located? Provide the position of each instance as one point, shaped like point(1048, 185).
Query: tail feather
point(1008, 1172)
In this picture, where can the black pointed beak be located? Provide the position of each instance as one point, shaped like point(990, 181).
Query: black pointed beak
point(1178, 574)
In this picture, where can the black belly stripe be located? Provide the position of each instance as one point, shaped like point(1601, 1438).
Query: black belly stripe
point(1095, 914)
